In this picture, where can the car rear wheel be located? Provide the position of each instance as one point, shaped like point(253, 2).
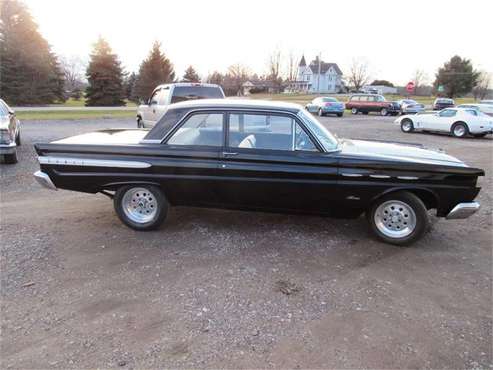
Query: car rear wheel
point(398, 218)
point(384, 112)
point(340, 114)
point(142, 207)
point(320, 112)
point(140, 123)
point(407, 125)
point(460, 129)
point(354, 110)
point(10, 158)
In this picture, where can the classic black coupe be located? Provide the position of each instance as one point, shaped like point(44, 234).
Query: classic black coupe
point(262, 156)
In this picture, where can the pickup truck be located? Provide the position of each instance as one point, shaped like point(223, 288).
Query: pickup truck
point(265, 156)
point(164, 95)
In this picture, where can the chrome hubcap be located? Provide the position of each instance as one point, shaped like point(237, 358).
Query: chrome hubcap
point(139, 205)
point(406, 126)
point(354, 111)
point(384, 112)
point(459, 131)
point(395, 219)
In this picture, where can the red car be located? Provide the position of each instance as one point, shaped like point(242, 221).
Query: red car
point(366, 103)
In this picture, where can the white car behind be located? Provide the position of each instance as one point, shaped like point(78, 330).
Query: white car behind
point(459, 122)
point(482, 107)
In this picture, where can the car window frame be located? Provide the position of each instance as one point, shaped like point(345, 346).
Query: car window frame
point(319, 149)
point(185, 119)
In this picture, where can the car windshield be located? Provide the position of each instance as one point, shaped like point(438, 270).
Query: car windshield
point(323, 135)
point(447, 101)
point(329, 100)
point(380, 98)
point(410, 102)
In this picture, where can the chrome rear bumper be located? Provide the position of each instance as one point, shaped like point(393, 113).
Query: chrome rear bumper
point(463, 210)
point(44, 180)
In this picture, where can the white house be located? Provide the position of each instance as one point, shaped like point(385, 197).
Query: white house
point(318, 77)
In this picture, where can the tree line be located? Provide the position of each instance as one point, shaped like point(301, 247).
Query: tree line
point(31, 73)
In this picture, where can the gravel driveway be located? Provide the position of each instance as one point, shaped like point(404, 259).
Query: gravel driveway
point(226, 289)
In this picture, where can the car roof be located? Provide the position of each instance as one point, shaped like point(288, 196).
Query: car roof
point(186, 84)
point(238, 104)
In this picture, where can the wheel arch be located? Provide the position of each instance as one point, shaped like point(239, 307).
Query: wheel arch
point(113, 186)
point(429, 198)
point(459, 122)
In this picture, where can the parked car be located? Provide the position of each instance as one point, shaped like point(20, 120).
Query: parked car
point(366, 103)
point(459, 122)
point(409, 106)
point(482, 107)
point(256, 155)
point(326, 105)
point(10, 133)
point(486, 101)
point(442, 103)
point(164, 95)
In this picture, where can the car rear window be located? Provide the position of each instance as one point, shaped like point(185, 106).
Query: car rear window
point(182, 93)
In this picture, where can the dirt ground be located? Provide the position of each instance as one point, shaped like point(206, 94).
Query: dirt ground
point(226, 289)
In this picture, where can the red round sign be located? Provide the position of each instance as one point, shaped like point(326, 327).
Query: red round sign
point(410, 87)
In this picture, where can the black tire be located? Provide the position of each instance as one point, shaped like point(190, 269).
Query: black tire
point(140, 124)
point(10, 158)
point(150, 192)
point(340, 114)
point(320, 112)
point(384, 112)
point(420, 214)
point(407, 125)
point(365, 113)
point(18, 139)
point(459, 129)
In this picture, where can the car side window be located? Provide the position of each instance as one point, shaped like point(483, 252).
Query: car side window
point(163, 97)
point(267, 131)
point(472, 112)
point(448, 113)
point(155, 97)
point(200, 129)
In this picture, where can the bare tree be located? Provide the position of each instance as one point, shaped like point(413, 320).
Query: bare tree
point(275, 66)
point(480, 91)
point(74, 71)
point(359, 74)
point(292, 67)
point(420, 78)
point(237, 75)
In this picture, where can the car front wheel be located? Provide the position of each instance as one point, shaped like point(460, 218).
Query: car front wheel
point(140, 123)
point(384, 112)
point(320, 112)
point(398, 218)
point(354, 111)
point(407, 125)
point(142, 207)
point(10, 158)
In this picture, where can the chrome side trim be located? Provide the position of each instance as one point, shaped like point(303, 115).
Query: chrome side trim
point(380, 176)
point(463, 210)
point(44, 180)
point(351, 174)
point(87, 162)
point(150, 141)
point(407, 177)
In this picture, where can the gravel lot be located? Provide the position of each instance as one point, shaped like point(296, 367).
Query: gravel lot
point(224, 289)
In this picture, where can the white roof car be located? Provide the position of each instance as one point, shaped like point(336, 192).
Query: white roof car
point(460, 122)
point(483, 107)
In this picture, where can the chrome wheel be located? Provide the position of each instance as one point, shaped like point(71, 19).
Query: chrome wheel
point(354, 111)
point(320, 113)
point(140, 205)
point(459, 130)
point(395, 219)
point(407, 126)
point(383, 112)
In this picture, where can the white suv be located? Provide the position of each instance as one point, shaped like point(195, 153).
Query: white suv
point(164, 95)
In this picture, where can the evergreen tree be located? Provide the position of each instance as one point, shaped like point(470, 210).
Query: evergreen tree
point(130, 85)
point(457, 76)
point(191, 75)
point(154, 70)
point(29, 71)
point(105, 77)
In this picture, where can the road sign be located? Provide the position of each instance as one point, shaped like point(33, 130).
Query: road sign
point(440, 88)
point(410, 87)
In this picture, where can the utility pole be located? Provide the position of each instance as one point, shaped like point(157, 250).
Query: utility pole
point(318, 76)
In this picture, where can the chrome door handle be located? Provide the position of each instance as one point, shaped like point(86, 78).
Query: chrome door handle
point(227, 154)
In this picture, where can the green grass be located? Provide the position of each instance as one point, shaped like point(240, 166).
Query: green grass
point(305, 98)
point(81, 103)
point(75, 114)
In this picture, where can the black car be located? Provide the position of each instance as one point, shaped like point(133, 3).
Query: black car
point(442, 103)
point(262, 156)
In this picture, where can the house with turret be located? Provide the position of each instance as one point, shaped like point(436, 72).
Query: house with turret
point(317, 77)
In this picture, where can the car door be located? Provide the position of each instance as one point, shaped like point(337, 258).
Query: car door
point(190, 159)
point(163, 102)
point(313, 106)
point(271, 162)
point(442, 121)
point(151, 112)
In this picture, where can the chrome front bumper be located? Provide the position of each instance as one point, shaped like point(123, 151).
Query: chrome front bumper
point(463, 210)
point(44, 180)
point(8, 148)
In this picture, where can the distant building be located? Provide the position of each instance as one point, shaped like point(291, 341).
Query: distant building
point(318, 77)
point(257, 86)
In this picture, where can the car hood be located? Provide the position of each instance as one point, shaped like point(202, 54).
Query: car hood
point(397, 152)
point(106, 137)
point(4, 122)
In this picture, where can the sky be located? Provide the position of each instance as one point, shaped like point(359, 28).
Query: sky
point(394, 37)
